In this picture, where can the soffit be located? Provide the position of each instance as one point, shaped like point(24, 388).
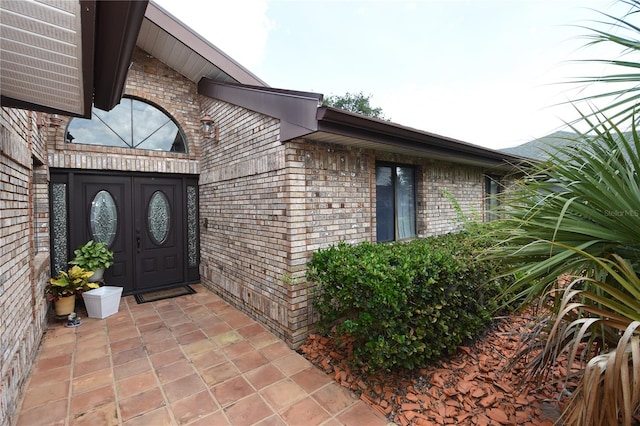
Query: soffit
point(176, 45)
point(41, 53)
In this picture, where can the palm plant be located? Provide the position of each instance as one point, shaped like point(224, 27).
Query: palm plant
point(577, 216)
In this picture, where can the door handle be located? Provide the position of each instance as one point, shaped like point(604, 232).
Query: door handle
point(138, 242)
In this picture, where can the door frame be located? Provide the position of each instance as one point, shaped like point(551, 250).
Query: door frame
point(189, 228)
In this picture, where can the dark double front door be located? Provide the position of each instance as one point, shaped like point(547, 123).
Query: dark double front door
point(149, 222)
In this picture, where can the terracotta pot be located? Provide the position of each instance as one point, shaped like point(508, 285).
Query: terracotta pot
point(65, 305)
point(97, 275)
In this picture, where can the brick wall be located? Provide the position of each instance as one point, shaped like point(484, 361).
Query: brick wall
point(245, 243)
point(151, 80)
point(23, 273)
point(268, 206)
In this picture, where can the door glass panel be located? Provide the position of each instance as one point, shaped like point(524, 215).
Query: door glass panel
point(192, 226)
point(59, 228)
point(158, 217)
point(103, 218)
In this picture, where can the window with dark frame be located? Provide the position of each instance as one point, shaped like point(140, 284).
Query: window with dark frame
point(134, 123)
point(493, 188)
point(395, 202)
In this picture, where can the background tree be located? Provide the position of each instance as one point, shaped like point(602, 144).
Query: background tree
point(355, 102)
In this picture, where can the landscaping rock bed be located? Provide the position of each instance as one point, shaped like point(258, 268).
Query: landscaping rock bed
point(473, 387)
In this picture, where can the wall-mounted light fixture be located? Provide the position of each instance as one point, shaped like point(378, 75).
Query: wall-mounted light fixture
point(210, 128)
point(55, 121)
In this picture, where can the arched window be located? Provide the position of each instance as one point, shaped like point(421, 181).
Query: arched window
point(131, 124)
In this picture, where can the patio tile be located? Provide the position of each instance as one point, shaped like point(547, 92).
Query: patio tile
point(141, 403)
point(161, 345)
point(232, 390)
point(251, 330)
point(236, 349)
point(189, 338)
point(86, 367)
point(45, 393)
point(128, 356)
point(218, 419)
point(264, 376)
point(213, 330)
point(126, 344)
point(193, 407)
point(55, 375)
point(88, 401)
point(131, 368)
point(282, 394)
point(274, 420)
point(218, 374)
point(158, 417)
point(249, 361)
point(276, 350)
point(170, 356)
point(263, 339)
point(361, 414)
point(88, 355)
point(334, 398)
point(177, 370)
point(136, 384)
point(306, 412)
point(183, 387)
point(311, 379)
point(174, 362)
point(103, 415)
point(92, 380)
point(54, 362)
point(48, 414)
point(208, 359)
point(291, 364)
point(184, 328)
point(157, 334)
point(248, 411)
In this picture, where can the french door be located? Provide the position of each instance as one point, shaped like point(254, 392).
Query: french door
point(148, 221)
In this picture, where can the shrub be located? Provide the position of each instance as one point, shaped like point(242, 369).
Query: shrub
point(405, 303)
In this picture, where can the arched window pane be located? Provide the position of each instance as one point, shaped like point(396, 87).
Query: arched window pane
point(132, 123)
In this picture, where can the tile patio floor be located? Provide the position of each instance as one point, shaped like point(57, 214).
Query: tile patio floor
point(189, 360)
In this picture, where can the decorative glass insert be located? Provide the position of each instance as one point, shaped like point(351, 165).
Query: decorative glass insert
point(192, 225)
point(59, 227)
point(103, 218)
point(133, 124)
point(158, 217)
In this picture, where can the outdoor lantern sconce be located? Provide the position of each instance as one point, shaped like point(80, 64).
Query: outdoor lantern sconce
point(209, 128)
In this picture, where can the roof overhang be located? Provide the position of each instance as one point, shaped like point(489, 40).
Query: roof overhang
point(172, 42)
point(347, 128)
point(301, 115)
point(61, 57)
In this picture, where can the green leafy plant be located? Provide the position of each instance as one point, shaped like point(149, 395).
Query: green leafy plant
point(577, 217)
point(69, 283)
point(405, 303)
point(92, 256)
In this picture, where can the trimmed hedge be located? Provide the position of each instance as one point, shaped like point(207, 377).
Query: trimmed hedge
point(405, 303)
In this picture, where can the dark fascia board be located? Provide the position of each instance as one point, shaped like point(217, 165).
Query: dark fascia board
point(199, 45)
point(117, 27)
point(345, 123)
point(295, 110)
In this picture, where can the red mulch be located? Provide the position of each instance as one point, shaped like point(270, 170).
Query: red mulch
point(473, 387)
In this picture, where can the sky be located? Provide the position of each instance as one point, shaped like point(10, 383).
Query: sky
point(487, 72)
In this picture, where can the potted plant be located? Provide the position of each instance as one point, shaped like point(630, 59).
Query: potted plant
point(93, 256)
point(62, 289)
